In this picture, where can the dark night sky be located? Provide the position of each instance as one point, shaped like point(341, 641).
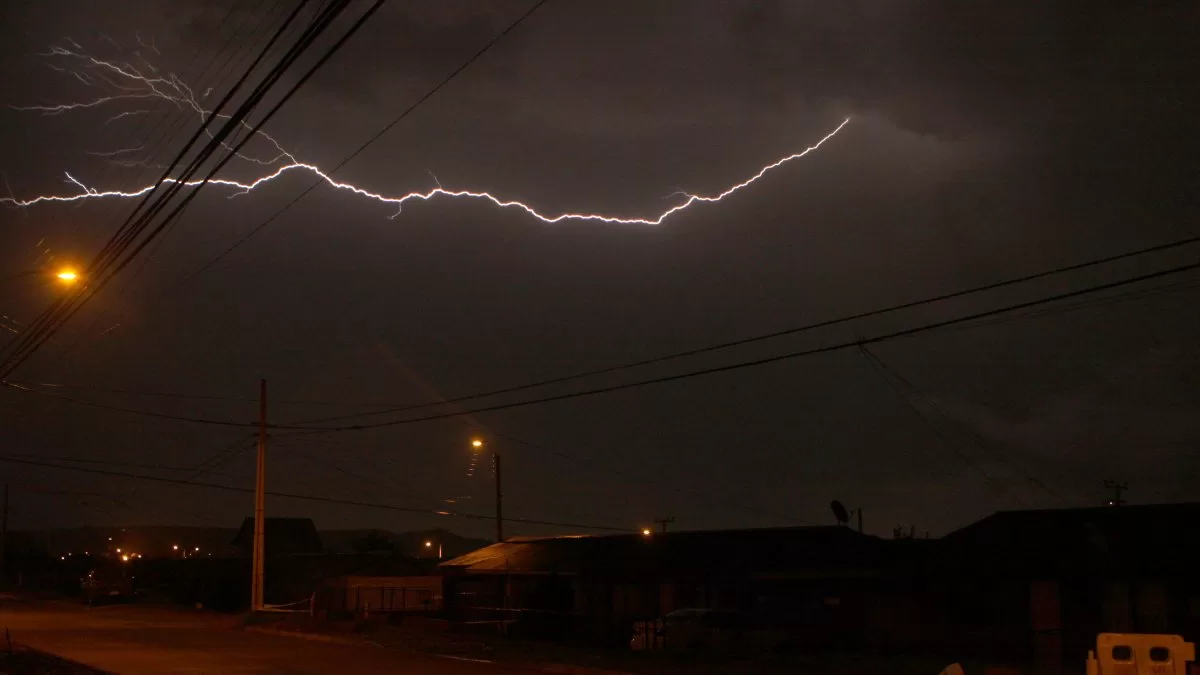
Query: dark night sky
point(988, 140)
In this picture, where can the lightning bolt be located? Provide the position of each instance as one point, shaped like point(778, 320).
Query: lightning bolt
point(136, 84)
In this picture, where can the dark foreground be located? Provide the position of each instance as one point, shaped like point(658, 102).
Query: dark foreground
point(136, 640)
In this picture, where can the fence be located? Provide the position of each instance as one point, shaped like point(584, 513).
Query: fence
point(376, 599)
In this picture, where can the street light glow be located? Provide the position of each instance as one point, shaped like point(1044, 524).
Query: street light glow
point(175, 547)
point(428, 544)
point(67, 275)
point(476, 443)
point(124, 558)
point(645, 532)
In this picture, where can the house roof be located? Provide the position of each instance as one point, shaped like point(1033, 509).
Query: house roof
point(765, 552)
point(1157, 535)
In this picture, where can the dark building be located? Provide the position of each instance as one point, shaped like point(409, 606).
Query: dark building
point(1043, 583)
point(1022, 586)
point(812, 580)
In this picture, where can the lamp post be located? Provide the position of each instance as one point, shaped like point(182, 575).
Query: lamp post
point(477, 444)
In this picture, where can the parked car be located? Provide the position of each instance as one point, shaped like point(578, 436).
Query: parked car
point(107, 583)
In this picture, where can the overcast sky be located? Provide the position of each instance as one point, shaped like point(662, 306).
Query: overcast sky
point(987, 140)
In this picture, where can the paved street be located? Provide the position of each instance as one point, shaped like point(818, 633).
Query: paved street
point(137, 640)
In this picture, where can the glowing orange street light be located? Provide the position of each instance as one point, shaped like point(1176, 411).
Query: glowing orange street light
point(646, 532)
point(67, 275)
point(476, 443)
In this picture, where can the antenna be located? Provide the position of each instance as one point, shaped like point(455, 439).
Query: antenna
point(664, 522)
point(839, 512)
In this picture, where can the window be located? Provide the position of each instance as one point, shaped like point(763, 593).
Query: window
point(1122, 654)
point(1160, 654)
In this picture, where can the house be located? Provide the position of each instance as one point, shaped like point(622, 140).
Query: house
point(814, 580)
point(1019, 586)
point(1044, 583)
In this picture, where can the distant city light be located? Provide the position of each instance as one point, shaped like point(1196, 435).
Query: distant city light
point(124, 558)
point(118, 550)
point(175, 547)
point(428, 544)
point(645, 532)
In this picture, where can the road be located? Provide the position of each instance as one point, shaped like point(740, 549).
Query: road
point(136, 640)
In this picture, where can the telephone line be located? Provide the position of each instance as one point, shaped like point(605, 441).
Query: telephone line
point(766, 360)
point(961, 319)
point(310, 498)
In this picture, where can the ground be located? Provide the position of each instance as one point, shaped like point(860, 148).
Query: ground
point(138, 640)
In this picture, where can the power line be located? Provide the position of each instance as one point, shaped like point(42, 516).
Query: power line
point(98, 271)
point(309, 498)
point(386, 128)
point(786, 332)
point(887, 374)
point(392, 408)
point(125, 238)
point(961, 319)
point(766, 360)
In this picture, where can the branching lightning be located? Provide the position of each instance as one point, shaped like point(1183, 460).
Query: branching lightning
point(131, 83)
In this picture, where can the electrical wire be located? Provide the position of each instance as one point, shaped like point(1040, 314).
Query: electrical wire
point(887, 374)
point(307, 497)
point(739, 365)
point(786, 332)
point(386, 128)
point(770, 359)
point(97, 271)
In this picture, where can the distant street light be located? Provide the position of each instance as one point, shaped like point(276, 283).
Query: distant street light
point(476, 443)
point(175, 547)
point(429, 544)
point(646, 532)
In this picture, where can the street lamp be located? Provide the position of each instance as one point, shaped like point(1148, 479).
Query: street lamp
point(429, 544)
point(67, 276)
point(477, 444)
point(646, 532)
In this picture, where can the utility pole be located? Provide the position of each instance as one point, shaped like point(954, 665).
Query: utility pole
point(663, 522)
point(4, 539)
point(499, 499)
point(859, 512)
point(260, 494)
point(1117, 488)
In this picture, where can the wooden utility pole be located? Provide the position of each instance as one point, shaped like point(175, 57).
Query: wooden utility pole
point(499, 499)
point(4, 539)
point(260, 495)
point(860, 530)
point(663, 522)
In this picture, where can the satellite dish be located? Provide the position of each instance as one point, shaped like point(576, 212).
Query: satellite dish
point(839, 512)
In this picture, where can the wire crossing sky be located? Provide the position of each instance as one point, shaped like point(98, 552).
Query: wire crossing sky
point(128, 82)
